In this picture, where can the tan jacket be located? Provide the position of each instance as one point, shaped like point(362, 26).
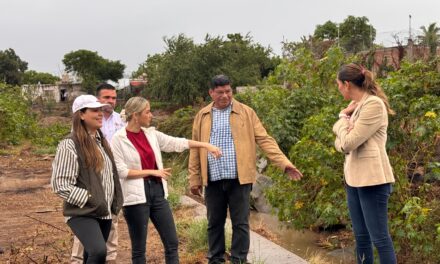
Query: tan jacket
point(247, 132)
point(366, 160)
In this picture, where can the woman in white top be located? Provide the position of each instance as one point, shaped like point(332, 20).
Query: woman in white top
point(137, 150)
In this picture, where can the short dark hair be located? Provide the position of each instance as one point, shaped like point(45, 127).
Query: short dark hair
point(104, 86)
point(220, 80)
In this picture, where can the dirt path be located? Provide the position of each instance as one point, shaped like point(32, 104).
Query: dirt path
point(32, 226)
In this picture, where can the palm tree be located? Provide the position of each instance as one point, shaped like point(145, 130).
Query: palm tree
point(430, 38)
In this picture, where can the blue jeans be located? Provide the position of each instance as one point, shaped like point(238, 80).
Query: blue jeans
point(158, 209)
point(368, 207)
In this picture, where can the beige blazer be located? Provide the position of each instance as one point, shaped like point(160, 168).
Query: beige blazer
point(366, 160)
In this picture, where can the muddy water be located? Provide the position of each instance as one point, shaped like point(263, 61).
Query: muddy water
point(302, 243)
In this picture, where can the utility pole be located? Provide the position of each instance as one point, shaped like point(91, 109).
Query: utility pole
point(410, 44)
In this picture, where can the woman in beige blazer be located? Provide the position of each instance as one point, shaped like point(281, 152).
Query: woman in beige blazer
point(361, 134)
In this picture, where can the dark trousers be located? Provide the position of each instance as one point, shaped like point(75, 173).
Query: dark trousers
point(158, 209)
point(218, 196)
point(368, 207)
point(93, 234)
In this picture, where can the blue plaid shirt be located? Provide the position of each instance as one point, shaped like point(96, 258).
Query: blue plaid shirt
point(221, 136)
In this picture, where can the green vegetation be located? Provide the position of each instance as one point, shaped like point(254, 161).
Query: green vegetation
point(298, 102)
point(173, 198)
point(47, 138)
point(430, 38)
point(11, 67)
point(20, 123)
point(16, 119)
point(179, 124)
point(182, 73)
point(298, 105)
point(33, 77)
point(355, 33)
point(92, 68)
point(301, 118)
point(194, 233)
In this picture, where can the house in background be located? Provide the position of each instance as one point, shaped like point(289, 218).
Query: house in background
point(131, 87)
point(63, 91)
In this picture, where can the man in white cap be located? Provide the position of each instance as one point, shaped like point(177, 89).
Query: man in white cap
point(112, 122)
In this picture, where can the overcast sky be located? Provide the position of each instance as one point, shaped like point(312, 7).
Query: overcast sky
point(42, 31)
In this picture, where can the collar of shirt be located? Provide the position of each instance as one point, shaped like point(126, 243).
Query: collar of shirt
point(109, 117)
point(235, 107)
point(226, 109)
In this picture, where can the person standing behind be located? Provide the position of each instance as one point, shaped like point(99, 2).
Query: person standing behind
point(111, 122)
point(361, 134)
point(84, 174)
point(137, 150)
point(236, 129)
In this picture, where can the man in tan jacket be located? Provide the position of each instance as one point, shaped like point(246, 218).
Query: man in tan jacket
point(236, 129)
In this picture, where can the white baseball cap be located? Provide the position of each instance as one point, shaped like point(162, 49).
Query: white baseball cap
point(86, 101)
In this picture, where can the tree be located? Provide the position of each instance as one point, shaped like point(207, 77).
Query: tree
point(92, 68)
point(318, 47)
point(176, 78)
point(11, 67)
point(430, 38)
point(356, 34)
point(33, 77)
point(247, 62)
point(182, 73)
point(327, 31)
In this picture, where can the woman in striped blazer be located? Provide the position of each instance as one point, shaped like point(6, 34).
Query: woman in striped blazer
point(85, 176)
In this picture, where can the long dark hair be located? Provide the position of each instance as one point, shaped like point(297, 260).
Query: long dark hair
point(87, 144)
point(364, 80)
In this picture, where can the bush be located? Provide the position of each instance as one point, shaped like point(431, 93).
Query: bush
point(51, 135)
point(194, 234)
point(179, 124)
point(18, 122)
point(416, 229)
point(414, 145)
point(308, 88)
point(16, 119)
point(299, 104)
point(173, 199)
point(319, 198)
point(300, 117)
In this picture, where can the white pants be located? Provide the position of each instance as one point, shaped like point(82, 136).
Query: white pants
point(112, 245)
